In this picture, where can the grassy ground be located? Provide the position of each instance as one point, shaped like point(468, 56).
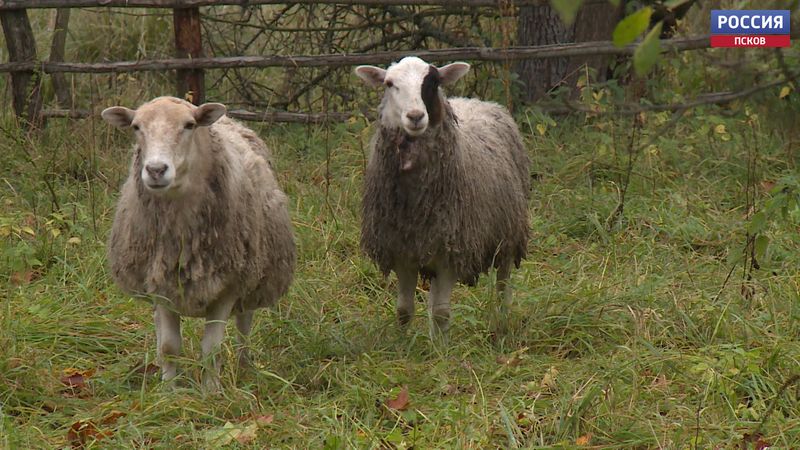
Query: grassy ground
point(622, 336)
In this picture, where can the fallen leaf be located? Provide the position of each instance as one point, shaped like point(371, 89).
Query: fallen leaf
point(112, 417)
point(244, 433)
point(660, 382)
point(767, 185)
point(762, 445)
point(786, 90)
point(146, 369)
point(720, 129)
point(586, 439)
point(75, 380)
point(219, 437)
point(49, 407)
point(264, 420)
point(549, 378)
point(401, 402)
point(757, 439)
point(513, 359)
point(21, 278)
point(247, 434)
point(84, 432)
point(74, 240)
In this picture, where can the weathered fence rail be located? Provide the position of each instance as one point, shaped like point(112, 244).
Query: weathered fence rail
point(445, 54)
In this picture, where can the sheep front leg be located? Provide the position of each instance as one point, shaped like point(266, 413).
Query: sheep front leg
point(168, 340)
point(244, 322)
point(216, 319)
point(439, 302)
point(406, 287)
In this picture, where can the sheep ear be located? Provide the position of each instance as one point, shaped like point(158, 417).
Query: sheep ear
point(371, 75)
point(208, 113)
point(119, 116)
point(452, 72)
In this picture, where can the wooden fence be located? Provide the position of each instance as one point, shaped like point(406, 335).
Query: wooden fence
point(26, 70)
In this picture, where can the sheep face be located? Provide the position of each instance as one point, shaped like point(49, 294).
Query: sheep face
point(411, 100)
point(165, 131)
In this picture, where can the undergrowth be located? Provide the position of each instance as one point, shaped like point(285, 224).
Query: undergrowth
point(641, 332)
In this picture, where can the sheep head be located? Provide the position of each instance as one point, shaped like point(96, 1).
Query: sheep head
point(411, 100)
point(165, 131)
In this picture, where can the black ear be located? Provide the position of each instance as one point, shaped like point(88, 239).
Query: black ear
point(208, 113)
point(119, 116)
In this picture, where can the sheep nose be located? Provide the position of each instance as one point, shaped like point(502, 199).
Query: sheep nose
point(415, 116)
point(156, 170)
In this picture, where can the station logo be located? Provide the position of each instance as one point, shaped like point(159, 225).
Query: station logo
point(750, 28)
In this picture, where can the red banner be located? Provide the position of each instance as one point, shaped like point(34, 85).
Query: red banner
point(765, 41)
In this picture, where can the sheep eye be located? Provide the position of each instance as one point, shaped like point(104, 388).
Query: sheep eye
point(189, 126)
point(135, 127)
point(389, 83)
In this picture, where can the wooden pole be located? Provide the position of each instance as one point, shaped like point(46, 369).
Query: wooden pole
point(188, 44)
point(25, 85)
point(57, 47)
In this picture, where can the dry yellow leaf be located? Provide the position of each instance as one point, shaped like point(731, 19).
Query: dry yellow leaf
point(586, 439)
point(549, 378)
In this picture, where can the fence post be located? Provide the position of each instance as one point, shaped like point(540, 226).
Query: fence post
point(189, 44)
point(25, 86)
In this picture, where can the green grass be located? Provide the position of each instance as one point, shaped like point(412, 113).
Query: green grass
point(627, 335)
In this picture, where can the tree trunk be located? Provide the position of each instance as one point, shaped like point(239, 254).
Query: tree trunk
point(25, 86)
point(595, 22)
point(60, 85)
point(540, 25)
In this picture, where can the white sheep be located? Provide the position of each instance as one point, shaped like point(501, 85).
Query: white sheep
point(446, 188)
point(201, 227)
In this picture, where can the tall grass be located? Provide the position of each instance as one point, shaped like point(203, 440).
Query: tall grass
point(623, 337)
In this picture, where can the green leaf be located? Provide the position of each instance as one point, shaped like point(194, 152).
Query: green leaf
point(629, 28)
point(761, 244)
point(567, 9)
point(647, 53)
point(757, 223)
point(614, 3)
point(735, 255)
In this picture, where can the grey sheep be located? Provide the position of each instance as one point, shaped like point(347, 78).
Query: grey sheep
point(201, 227)
point(446, 188)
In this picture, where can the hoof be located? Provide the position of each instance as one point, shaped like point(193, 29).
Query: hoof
point(212, 385)
point(404, 317)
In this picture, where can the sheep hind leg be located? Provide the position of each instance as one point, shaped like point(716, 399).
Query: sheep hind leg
point(168, 340)
point(406, 287)
point(501, 310)
point(244, 322)
point(216, 319)
point(439, 304)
